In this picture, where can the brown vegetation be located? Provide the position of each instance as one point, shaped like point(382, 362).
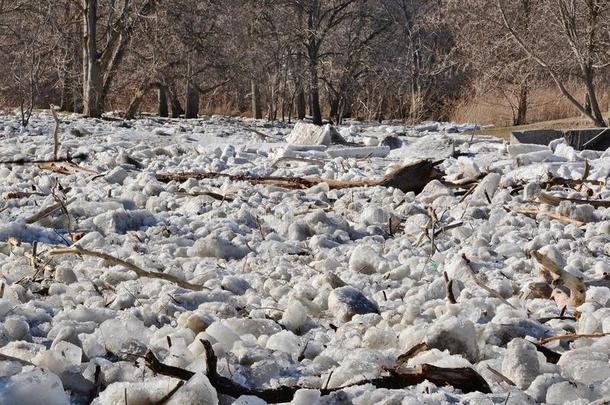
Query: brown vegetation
point(487, 61)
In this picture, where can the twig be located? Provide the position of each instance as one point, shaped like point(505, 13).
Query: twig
point(48, 211)
point(170, 394)
point(130, 266)
point(412, 352)
point(483, 286)
point(554, 200)
point(449, 289)
point(501, 376)
point(572, 336)
point(553, 215)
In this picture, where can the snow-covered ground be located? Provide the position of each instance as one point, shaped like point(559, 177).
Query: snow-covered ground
point(300, 287)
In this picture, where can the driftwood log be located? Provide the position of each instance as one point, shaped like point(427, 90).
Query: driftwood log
point(464, 378)
point(413, 177)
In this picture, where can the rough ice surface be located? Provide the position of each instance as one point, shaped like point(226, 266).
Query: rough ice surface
point(297, 287)
point(35, 387)
point(520, 363)
point(345, 302)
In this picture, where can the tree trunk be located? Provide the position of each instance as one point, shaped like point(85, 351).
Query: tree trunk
point(177, 109)
point(92, 73)
point(136, 100)
point(595, 111)
point(300, 90)
point(256, 100)
point(162, 101)
point(192, 101)
point(314, 92)
point(521, 117)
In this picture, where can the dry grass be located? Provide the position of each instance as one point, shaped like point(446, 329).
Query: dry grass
point(504, 132)
point(544, 105)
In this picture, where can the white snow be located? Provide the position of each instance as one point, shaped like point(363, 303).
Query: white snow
point(294, 284)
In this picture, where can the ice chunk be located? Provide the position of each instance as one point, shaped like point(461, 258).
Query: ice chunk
point(217, 247)
point(127, 334)
point(249, 400)
point(285, 341)
point(197, 390)
point(585, 365)
point(295, 316)
point(488, 185)
point(566, 391)
point(116, 175)
point(36, 387)
point(456, 335)
point(520, 363)
point(468, 167)
point(310, 134)
point(236, 285)
point(345, 302)
point(392, 142)
point(375, 215)
point(69, 353)
point(538, 388)
point(517, 149)
point(363, 260)
point(222, 334)
point(434, 190)
point(121, 221)
point(382, 339)
point(306, 397)
point(17, 328)
point(362, 152)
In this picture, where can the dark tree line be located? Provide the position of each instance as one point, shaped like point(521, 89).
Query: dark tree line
point(285, 59)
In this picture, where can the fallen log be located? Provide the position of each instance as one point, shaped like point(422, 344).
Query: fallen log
point(463, 378)
point(413, 177)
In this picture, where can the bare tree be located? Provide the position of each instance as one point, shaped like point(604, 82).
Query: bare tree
point(584, 29)
point(100, 67)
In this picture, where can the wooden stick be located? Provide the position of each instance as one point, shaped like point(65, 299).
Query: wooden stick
point(48, 211)
point(464, 378)
point(553, 215)
point(55, 134)
point(572, 336)
point(483, 286)
point(500, 376)
point(412, 177)
point(554, 200)
point(65, 167)
point(130, 266)
point(31, 162)
point(449, 289)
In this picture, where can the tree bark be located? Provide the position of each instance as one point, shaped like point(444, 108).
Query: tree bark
point(192, 101)
point(177, 109)
point(300, 90)
point(521, 117)
point(92, 73)
point(136, 100)
point(162, 101)
point(314, 93)
point(256, 100)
